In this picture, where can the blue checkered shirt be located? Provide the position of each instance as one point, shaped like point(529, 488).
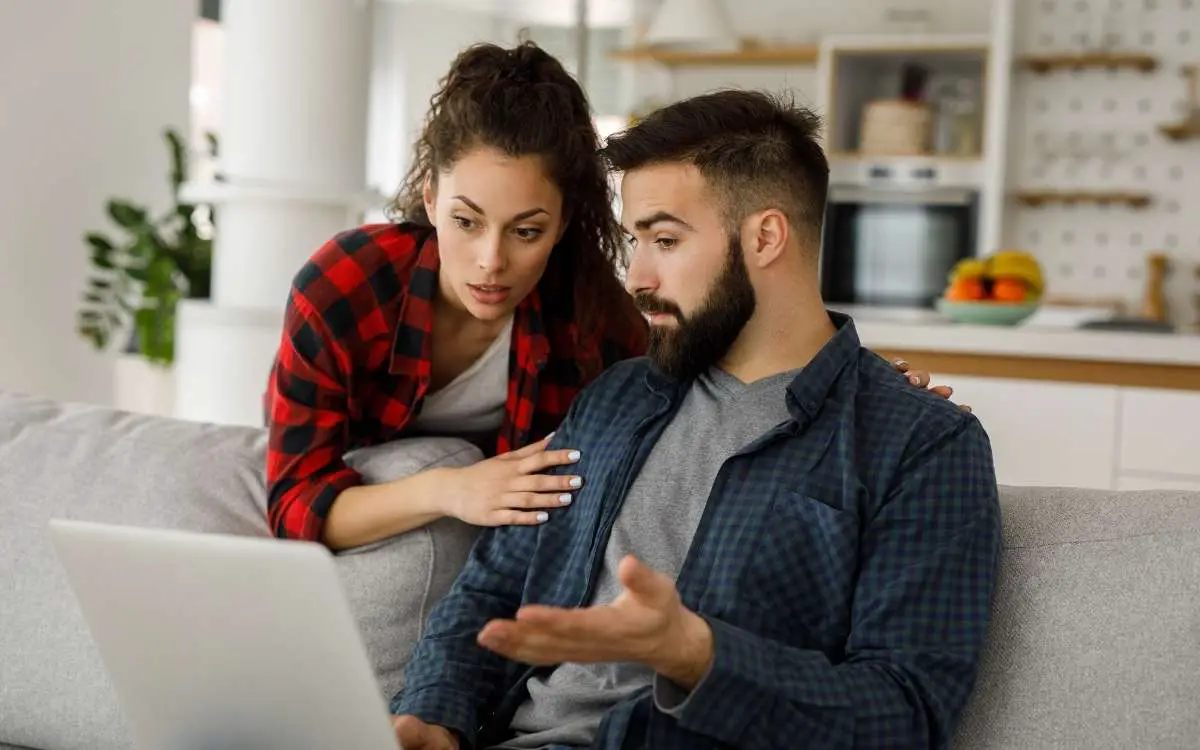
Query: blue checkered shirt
point(845, 562)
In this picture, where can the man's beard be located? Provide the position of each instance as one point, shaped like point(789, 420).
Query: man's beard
point(701, 339)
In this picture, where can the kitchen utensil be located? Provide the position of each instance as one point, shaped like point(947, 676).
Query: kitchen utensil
point(1154, 303)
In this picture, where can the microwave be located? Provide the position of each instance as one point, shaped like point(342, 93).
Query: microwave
point(895, 244)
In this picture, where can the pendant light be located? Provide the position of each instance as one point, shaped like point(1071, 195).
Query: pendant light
point(695, 24)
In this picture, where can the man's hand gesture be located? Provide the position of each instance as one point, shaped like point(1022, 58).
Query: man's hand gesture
point(646, 623)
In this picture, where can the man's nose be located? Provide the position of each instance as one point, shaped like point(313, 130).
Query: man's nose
point(640, 277)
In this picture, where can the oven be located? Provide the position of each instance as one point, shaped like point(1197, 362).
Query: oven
point(891, 237)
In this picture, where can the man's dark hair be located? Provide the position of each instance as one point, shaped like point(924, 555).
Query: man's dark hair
point(756, 150)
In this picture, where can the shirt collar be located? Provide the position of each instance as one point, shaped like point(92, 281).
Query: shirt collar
point(812, 384)
point(414, 323)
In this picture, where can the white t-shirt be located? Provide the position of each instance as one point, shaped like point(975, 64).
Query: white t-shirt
point(472, 403)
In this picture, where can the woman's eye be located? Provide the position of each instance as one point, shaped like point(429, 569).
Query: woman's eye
point(463, 222)
point(665, 243)
point(529, 234)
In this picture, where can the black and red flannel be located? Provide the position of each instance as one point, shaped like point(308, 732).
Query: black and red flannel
point(354, 360)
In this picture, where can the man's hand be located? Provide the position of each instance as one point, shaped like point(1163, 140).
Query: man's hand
point(414, 734)
point(646, 623)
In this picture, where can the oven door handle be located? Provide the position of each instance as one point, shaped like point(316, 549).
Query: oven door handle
point(923, 196)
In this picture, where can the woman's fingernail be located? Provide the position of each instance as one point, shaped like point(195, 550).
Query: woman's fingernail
point(543, 517)
point(576, 482)
point(914, 380)
point(565, 499)
point(550, 435)
point(900, 363)
point(573, 456)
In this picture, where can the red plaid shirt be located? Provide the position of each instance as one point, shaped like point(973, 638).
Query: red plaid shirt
point(355, 360)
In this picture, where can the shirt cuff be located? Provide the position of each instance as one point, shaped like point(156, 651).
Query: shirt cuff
point(671, 699)
point(447, 708)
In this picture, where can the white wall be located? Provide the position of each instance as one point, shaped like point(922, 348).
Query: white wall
point(86, 87)
point(783, 22)
point(414, 46)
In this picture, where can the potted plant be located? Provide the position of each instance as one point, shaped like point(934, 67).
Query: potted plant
point(140, 276)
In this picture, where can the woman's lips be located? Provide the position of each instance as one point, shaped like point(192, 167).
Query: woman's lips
point(489, 294)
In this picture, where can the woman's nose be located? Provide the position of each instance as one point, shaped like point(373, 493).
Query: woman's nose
point(490, 255)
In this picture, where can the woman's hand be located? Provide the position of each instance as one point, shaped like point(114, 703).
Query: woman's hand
point(510, 488)
point(920, 378)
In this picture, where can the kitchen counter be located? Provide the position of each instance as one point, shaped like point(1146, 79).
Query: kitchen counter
point(1048, 346)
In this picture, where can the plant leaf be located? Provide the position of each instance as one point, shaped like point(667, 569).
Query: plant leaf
point(178, 155)
point(99, 242)
point(127, 215)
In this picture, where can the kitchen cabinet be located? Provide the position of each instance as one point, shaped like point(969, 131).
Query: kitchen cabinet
point(1080, 435)
point(1160, 431)
point(1043, 433)
point(1157, 482)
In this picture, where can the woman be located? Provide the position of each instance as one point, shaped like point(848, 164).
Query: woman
point(481, 314)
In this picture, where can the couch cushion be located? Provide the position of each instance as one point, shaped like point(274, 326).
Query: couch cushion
point(1095, 638)
point(96, 464)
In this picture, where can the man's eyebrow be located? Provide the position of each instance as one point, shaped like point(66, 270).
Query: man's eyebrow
point(519, 217)
point(659, 217)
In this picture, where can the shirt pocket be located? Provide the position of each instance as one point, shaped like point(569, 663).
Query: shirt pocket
point(801, 572)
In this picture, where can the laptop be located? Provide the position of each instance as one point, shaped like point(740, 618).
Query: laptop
point(217, 642)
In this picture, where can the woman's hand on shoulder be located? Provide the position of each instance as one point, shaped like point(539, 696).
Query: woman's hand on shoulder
point(511, 488)
point(920, 379)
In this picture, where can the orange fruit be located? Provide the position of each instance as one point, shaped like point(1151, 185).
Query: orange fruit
point(1009, 290)
point(964, 290)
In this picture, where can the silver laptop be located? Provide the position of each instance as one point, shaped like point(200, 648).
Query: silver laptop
point(224, 643)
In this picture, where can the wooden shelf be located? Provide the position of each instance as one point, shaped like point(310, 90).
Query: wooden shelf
point(798, 55)
point(1110, 60)
point(1189, 127)
point(1037, 198)
point(1182, 131)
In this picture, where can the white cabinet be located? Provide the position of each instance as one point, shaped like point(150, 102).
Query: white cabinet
point(1160, 431)
point(1078, 435)
point(1157, 482)
point(1044, 433)
point(1160, 439)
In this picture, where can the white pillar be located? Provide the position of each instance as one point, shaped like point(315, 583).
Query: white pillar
point(293, 174)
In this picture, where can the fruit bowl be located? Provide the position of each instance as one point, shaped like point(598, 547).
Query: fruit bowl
point(1002, 289)
point(986, 312)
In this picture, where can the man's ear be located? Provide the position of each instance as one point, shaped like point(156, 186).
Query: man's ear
point(427, 195)
point(765, 237)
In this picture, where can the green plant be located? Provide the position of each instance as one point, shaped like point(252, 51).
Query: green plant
point(138, 280)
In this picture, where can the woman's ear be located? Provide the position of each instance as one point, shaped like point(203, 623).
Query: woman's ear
point(427, 195)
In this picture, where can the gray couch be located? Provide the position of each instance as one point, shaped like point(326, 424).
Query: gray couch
point(1095, 641)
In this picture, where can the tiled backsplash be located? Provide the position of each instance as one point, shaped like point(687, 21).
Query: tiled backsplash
point(1098, 130)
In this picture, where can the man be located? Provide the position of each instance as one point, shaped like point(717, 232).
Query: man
point(779, 544)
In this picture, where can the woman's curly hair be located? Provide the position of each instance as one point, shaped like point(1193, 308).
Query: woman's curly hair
point(522, 102)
